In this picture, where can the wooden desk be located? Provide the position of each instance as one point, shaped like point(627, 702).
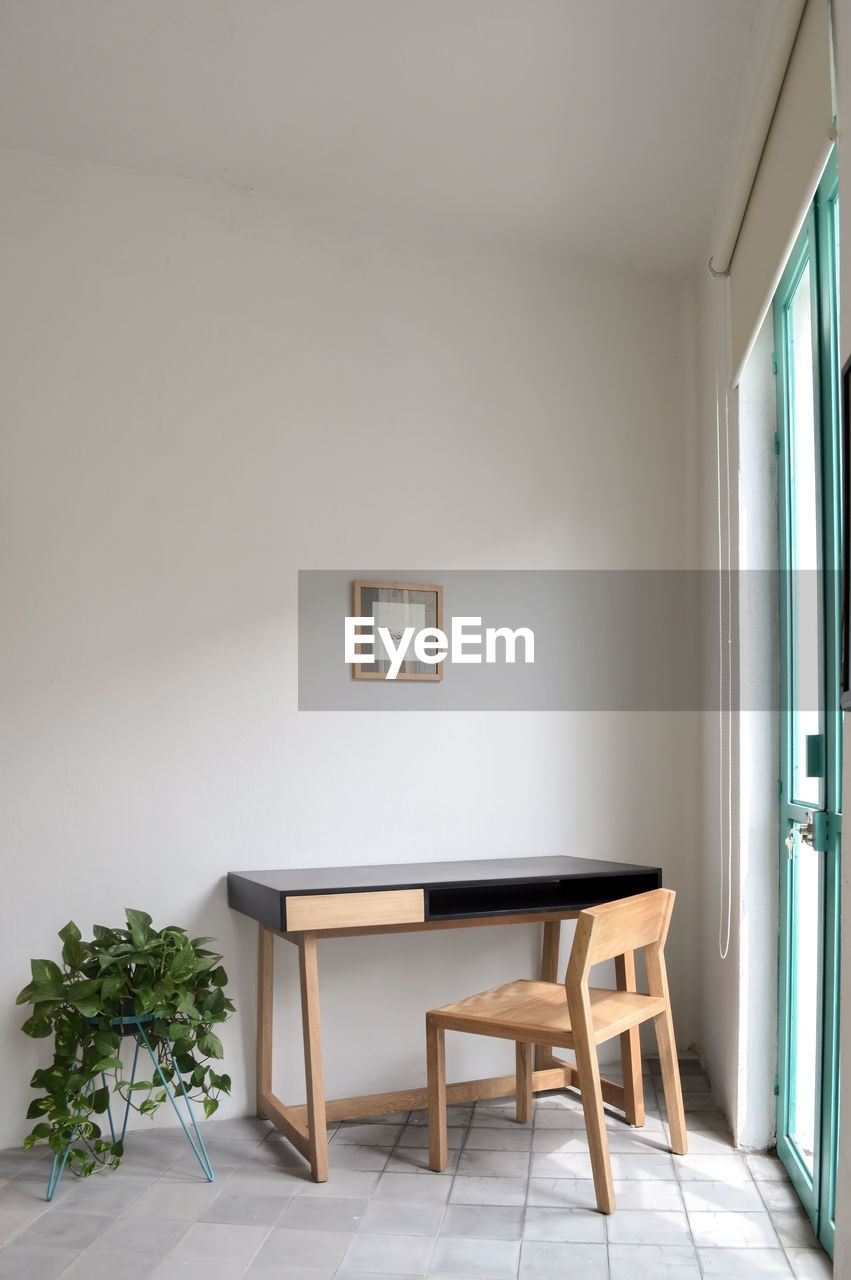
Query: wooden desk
point(302, 906)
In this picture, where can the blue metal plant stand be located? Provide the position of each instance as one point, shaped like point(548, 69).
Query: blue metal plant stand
point(135, 1027)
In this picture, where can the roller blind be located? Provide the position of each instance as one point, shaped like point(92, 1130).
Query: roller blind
point(796, 150)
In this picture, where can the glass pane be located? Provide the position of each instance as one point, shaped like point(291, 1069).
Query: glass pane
point(807, 719)
point(804, 1002)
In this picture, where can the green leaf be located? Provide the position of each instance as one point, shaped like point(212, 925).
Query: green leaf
point(38, 1026)
point(140, 926)
point(37, 993)
point(72, 951)
point(102, 934)
point(105, 1064)
point(113, 986)
point(106, 1043)
point(210, 1105)
point(45, 971)
point(186, 1005)
point(147, 1107)
point(210, 1044)
point(100, 1101)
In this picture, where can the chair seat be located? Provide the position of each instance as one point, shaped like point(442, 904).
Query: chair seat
point(537, 1012)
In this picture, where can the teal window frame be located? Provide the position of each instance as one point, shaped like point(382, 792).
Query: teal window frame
point(817, 245)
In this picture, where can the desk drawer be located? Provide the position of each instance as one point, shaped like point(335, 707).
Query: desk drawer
point(353, 910)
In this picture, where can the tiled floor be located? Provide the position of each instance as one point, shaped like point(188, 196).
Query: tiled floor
point(516, 1201)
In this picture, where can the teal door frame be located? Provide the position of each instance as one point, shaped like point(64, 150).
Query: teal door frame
point(810, 767)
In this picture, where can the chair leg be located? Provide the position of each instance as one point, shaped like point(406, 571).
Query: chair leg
point(595, 1124)
point(436, 1075)
point(671, 1081)
point(633, 1082)
point(523, 1091)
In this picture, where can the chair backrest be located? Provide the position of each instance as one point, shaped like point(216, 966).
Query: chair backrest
point(620, 928)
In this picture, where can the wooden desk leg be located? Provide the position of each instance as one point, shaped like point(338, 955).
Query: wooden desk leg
point(265, 1006)
point(549, 973)
point(633, 1084)
point(309, 977)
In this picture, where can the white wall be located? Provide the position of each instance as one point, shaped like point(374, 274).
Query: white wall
point(203, 393)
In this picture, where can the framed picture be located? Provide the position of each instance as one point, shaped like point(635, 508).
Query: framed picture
point(396, 607)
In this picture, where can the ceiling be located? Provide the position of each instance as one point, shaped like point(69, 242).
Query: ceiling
point(603, 127)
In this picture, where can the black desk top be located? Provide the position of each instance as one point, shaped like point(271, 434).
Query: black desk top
point(466, 889)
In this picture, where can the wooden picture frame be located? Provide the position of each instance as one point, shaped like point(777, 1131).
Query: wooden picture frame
point(398, 604)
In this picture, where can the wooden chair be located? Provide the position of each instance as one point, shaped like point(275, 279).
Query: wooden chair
point(575, 1016)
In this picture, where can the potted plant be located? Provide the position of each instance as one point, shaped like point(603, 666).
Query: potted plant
point(121, 980)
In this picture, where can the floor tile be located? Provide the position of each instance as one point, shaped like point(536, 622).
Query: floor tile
point(111, 1266)
point(328, 1213)
point(648, 1226)
point(347, 1182)
point(653, 1262)
point(458, 1114)
point(154, 1237)
point(543, 1260)
point(793, 1228)
point(220, 1242)
point(573, 1163)
point(765, 1166)
point(559, 1118)
point(107, 1194)
point(409, 1186)
point(473, 1190)
point(36, 1263)
point(262, 1269)
point(60, 1230)
point(14, 1221)
point(416, 1135)
point(734, 1197)
point(352, 1275)
point(562, 1193)
point(242, 1208)
point(731, 1167)
point(584, 1226)
point(355, 1156)
point(486, 1137)
point(33, 1162)
point(286, 1248)
point(665, 1194)
point(655, 1165)
point(493, 1164)
point(415, 1160)
point(744, 1264)
point(397, 1217)
point(777, 1194)
point(193, 1269)
point(483, 1221)
point(733, 1230)
point(484, 1259)
point(400, 1255)
point(369, 1135)
point(810, 1264)
point(174, 1201)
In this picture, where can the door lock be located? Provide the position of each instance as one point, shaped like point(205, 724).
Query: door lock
point(805, 833)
